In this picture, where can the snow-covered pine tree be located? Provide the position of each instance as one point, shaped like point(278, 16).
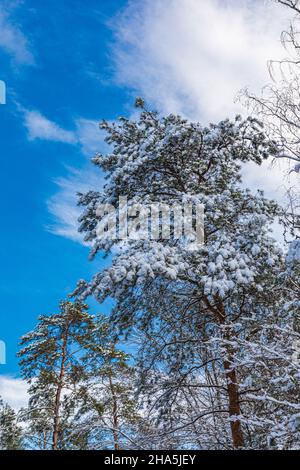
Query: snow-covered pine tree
point(181, 372)
point(181, 361)
point(10, 431)
point(37, 422)
point(51, 362)
point(37, 418)
point(108, 398)
point(173, 161)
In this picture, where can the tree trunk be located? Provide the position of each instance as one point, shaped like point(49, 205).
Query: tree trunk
point(234, 408)
point(233, 391)
point(115, 416)
point(234, 405)
point(56, 420)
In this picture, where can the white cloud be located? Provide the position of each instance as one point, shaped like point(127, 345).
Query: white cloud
point(274, 178)
point(13, 41)
point(39, 127)
point(192, 56)
point(86, 133)
point(185, 56)
point(63, 204)
point(90, 136)
point(13, 391)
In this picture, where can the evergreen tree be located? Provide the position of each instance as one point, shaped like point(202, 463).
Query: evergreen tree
point(227, 280)
point(81, 387)
point(10, 431)
point(109, 401)
point(51, 363)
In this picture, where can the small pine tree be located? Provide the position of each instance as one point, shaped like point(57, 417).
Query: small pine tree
point(109, 394)
point(81, 387)
point(51, 363)
point(10, 431)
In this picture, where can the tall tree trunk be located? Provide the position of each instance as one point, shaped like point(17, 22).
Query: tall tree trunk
point(114, 415)
point(233, 392)
point(56, 420)
point(234, 405)
point(234, 408)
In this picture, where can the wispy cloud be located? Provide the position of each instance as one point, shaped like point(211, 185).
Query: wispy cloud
point(39, 127)
point(13, 391)
point(12, 39)
point(63, 205)
point(193, 57)
point(90, 136)
point(86, 132)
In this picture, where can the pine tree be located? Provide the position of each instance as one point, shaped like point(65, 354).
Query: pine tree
point(109, 402)
point(51, 363)
point(37, 422)
point(81, 386)
point(228, 279)
point(10, 431)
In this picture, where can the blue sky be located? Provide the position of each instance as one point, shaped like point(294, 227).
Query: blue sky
point(64, 72)
point(68, 64)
